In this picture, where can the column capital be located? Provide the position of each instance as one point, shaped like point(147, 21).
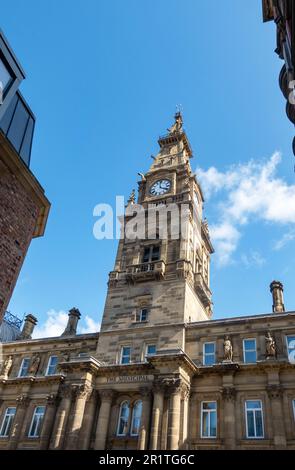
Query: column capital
point(106, 395)
point(52, 399)
point(65, 391)
point(82, 391)
point(23, 400)
point(229, 393)
point(145, 392)
point(274, 391)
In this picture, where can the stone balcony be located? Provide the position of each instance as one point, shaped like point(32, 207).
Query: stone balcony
point(145, 271)
point(203, 290)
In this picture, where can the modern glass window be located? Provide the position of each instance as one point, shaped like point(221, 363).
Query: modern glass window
point(254, 419)
point(23, 372)
point(52, 365)
point(151, 349)
point(136, 418)
point(123, 419)
point(5, 76)
point(208, 354)
point(36, 424)
point(125, 355)
point(250, 351)
point(142, 315)
point(7, 422)
point(151, 253)
point(291, 347)
point(209, 419)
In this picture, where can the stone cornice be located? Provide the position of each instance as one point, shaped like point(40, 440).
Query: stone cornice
point(40, 380)
point(178, 357)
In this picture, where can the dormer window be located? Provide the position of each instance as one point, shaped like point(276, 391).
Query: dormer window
point(5, 78)
point(151, 253)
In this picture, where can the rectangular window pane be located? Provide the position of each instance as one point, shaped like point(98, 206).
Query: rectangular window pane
point(7, 422)
point(126, 355)
point(143, 314)
point(52, 365)
point(213, 424)
point(146, 255)
point(18, 126)
point(209, 354)
point(205, 424)
point(36, 425)
point(250, 354)
point(250, 424)
point(291, 347)
point(259, 425)
point(209, 405)
point(253, 404)
point(5, 76)
point(209, 348)
point(155, 253)
point(151, 349)
point(24, 367)
point(209, 420)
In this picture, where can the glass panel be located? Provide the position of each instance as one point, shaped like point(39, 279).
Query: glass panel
point(144, 314)
point(250, 344)
point(25, 151)
point(7, 422)
point(253, 404)
point(18, 126)
point(146, 255)
point(205, 424)
point(52, 365)
point(259, 425)
point(24, 368)
point(6, 120)
point(250, 356)
point(250, 423)
point(136, 419)
point(213, 424)
point(151, 349)
point(156, 253)
point(209, 360)
point(209, 348)
point(123, 419)
point(5, 76)
point(126, 353)
point(209, 406)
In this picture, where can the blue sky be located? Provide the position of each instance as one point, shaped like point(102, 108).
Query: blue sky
point(103, 78)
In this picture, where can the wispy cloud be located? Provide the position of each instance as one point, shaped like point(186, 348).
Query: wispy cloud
point(56, 321)
point(253, 259)
point(250, 191)
point(286, 238)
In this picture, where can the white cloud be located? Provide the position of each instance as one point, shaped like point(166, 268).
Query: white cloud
point(254, 258)
point(250, 191)
point(54, 325)
point(91, 326)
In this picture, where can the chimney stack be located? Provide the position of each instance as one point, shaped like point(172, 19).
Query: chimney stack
point(71, 328)
point(28, 328)
point(277, 289)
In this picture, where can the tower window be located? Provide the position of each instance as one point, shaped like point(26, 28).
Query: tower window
point(142, 315)
point(36, 424)
point(151, 253)
point(209, 420)
point(125, 355)
point(24, 368)
point(254, 419)
point(250, 354)
point(209, 354)
point(7, 422)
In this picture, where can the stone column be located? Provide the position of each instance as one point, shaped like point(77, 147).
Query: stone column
point(157, 415)
point(61, 418)
point(229, 417)
point(275, 393)
point(80, 393)
point(185, 397)
point(48, 422)
point(103, 419)
point(88, 420)
point(174, 390)
point(145, 419)
point(18, 422)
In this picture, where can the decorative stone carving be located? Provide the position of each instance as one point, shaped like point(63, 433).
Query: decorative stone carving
point(7, 367)
point(106, 395)
point(145, 392)
point(23, 400)
point(270, 346)
point(65, 391)
point(229, 393)
point(227, 349)
point(81, 391)
point(274, 391)
point(34, 365)
point(52, 399)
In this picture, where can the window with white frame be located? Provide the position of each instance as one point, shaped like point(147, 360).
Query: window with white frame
point(209, 354)
point(250, 350)
point(142, 315)
point(291, 348)
point(123, 421)
point(125, 355)
point(52, 365)
point(136, 418)
point(36, 424)
point(24, 368)
point(254, 419)
point(7, 421)
point(150, 350)
point(209, 419)
point(151, 253)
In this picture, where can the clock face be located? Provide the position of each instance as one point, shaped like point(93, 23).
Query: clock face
point(160, 187)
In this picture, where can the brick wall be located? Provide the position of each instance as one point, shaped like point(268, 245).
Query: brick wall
point(18, 216)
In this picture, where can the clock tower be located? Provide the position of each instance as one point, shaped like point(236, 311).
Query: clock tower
point(161, 279)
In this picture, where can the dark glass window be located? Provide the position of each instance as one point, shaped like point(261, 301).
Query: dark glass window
point(6, 120)
point(5, 76)
point(18, 126)
point(25, 151)
point(151, 253)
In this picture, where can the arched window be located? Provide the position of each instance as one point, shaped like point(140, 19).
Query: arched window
point(123, 419)
point(136, 418)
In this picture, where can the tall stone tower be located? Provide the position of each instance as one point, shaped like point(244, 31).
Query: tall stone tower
point(161, 280)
